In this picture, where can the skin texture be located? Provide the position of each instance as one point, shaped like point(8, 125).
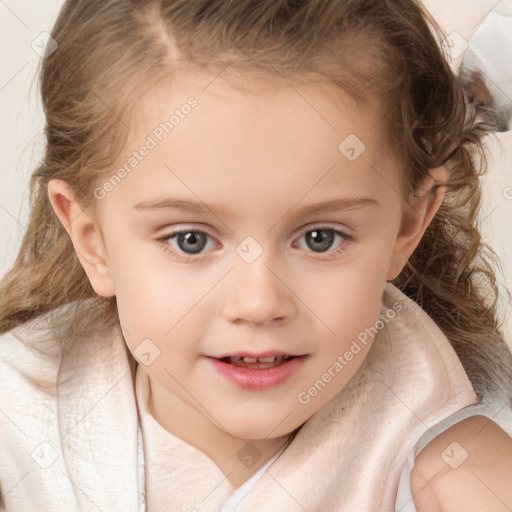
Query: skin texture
point(261, 156)
point(480, 482)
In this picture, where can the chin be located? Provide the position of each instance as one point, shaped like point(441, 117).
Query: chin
point(262, 426)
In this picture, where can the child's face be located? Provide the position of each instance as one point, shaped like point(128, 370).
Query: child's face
point(271, 274)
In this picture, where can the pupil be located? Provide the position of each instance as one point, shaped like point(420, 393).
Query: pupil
point(192, 242)
point(323, 237)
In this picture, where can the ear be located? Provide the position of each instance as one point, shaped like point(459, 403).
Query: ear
point(83, 229)
point(417, 215)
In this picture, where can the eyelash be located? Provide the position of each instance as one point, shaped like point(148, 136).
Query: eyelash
point(330, 254)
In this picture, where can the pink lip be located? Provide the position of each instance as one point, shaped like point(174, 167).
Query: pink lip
point(251, 378)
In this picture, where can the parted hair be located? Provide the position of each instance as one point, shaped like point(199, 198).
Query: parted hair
point(112, 52)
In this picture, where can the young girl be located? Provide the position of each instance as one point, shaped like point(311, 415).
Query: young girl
point(252, 277)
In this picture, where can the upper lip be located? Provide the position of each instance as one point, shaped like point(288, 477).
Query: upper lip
point(267, 353)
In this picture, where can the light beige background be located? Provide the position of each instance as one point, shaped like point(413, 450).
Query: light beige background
point(21, 139)
point(464, 17)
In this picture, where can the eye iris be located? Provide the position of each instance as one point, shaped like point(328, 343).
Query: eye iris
point(324, 237)
point(191, 242)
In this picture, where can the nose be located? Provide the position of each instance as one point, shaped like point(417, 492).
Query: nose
point(258, 294)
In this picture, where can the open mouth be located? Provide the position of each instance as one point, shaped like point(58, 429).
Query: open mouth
point(256, 362)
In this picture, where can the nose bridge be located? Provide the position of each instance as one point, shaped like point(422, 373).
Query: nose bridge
point(256, 293)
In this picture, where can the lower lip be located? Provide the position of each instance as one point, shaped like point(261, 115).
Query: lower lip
point(250, 378)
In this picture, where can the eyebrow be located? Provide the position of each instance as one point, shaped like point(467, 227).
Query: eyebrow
point(200, 207)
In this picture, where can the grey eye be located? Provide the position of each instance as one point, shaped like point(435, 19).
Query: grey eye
point(191, 242)
point(320, 240)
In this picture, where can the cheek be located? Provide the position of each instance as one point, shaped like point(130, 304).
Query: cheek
point(349, 294)
point(164, 305)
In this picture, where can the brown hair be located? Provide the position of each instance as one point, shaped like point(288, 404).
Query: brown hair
point(110, 50)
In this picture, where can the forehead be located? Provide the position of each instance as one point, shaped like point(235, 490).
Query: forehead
point(310, 97)
point(306, 108)
point(244, 139)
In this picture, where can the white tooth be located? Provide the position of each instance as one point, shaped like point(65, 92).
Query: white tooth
point(270, 359)
point(250, 359)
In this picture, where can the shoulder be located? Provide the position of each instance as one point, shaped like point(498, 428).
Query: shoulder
point(466, 467)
